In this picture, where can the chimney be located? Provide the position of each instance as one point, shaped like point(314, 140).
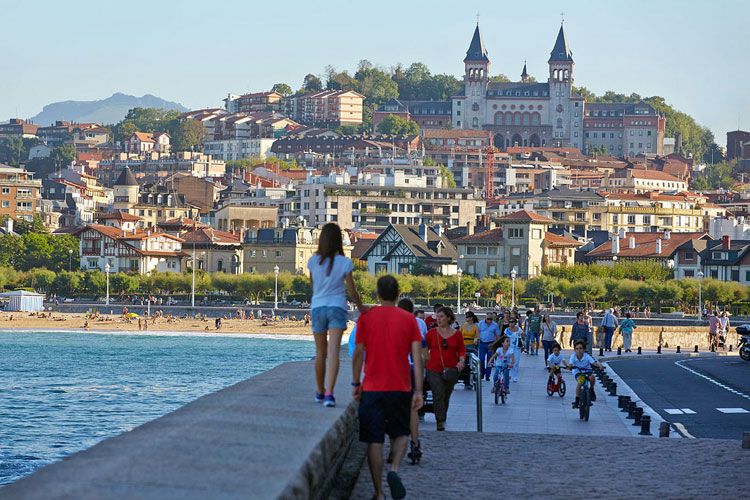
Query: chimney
point(469, 228)
point(667, 234)
point(622, 233)
point(726, 242)
point(615, 245)
point(658, 246)
point(423, 232)
point(438, 229)
point(631, 242)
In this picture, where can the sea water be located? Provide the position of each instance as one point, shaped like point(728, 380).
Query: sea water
point(64, 392)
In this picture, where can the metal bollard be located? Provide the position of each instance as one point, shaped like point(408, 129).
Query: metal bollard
point(746, 440)
point(730, 347)
point(621, 401)
point(663, 429)
point(658, 349)
point(639, 350)
point(678, 349)
point(625, 403)
point(637, 414)
point(601, 351)
point(645, 425)
point(619, 351)
point(613, 389)
point(631, 409)
point(695, 349)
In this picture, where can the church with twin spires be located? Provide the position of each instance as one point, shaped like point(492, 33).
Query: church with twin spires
point(524, 113)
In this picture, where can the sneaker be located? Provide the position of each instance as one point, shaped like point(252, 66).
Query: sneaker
point(396, 486)
point(319, 397)
point(575, 404)
point(329, 401)
point(593, 396)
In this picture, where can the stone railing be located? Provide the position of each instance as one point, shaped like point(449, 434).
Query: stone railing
point(261, 438)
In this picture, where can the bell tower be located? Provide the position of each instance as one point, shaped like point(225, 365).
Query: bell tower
point(476, 80)
point(561, 90)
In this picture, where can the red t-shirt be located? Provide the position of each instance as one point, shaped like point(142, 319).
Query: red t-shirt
point(453, 350)
point(387, 333)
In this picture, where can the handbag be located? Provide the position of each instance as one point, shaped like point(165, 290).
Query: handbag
point(449, 375)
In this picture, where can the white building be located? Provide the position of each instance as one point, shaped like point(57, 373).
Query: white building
point(236, 149)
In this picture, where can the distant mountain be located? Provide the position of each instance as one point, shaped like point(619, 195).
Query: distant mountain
point(104, 111)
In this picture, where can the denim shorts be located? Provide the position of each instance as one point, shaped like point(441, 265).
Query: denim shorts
point(327, 317)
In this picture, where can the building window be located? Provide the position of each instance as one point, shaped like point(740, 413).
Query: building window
point(515, 251)
point(515, 232)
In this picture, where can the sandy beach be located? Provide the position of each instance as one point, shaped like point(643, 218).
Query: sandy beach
point(117, 323)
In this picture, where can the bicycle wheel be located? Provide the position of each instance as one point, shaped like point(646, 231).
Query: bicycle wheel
point(497, 393)
point(583, 404)
point(561, 391)
point(502, 396)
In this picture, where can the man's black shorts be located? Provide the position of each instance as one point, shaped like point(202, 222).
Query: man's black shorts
point(382, 413)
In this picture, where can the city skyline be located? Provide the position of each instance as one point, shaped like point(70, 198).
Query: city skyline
point(197, 55)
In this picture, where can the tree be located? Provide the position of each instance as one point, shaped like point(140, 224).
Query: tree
point(37, 250)
point(282, 88)
point(375, 84)
point(500, 78)
point(447, 175)
point(94, 282)
point(67, 283)
point(123, 283)
point(395, 125)
point(11, 250)
point(312, 83)
point(40, 279)
point(64, 252)
point(11, 151)
point(146, 120)
point(63, 155)
point(188, 136)
point(35, 225)
point(427, 287)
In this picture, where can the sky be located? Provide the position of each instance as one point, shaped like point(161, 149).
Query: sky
point(692, 52)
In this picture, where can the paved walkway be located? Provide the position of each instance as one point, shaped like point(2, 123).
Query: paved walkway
point(469, 464)
point(529, 410)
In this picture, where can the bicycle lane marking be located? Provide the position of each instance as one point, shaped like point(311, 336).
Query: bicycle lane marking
point(710, 379)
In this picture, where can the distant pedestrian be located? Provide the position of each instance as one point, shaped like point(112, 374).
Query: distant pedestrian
point(446, 359)
point(386, 335)
point(489, 332)
point(331, 277)
point(549, 335)
point(713, 330)
point(609, 325)
point(533, 329)
point(470, 330)
point(430, 320)
point(626, 329)
point(723, 328)
point(579, 330)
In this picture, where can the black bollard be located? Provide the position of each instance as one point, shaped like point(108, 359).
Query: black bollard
point(613, 389)
point(621, 401)
point(637, 413)
point(695, 349)
point(646, 426)
point(619, 351)
point(631, 409)
point(625, 403)
point(663, 428)
point(639, 350)
point(678, 349)
point(730, 347)
point(601, 351)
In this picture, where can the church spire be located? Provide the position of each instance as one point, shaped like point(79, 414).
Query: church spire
point(524, 73)
point(561, 52)
point(476, 51)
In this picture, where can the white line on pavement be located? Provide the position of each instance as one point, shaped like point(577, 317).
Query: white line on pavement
point(682, 430)
point(713, 381)
point(733, 410)
point(687, 411)
point(673, 411)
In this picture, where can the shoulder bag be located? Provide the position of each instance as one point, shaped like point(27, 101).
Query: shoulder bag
point(450, 375)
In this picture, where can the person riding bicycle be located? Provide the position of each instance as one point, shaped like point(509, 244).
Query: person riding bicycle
point(580, 362)
point(555, 361)
point(505, 361)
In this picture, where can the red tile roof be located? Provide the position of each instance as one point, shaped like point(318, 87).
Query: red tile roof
point(492, 236)
point(119, 215)
point(645, 245)
point(525, 216)
point(211, 235)
point(655, 175)
point(557, 240)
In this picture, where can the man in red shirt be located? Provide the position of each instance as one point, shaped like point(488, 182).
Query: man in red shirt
point(387, 335)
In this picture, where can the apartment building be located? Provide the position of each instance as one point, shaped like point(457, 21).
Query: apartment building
point(17, 127)
point(249, 103)
point(289, 248)
point(154, 167)
point(635, 180)
point(214, 251)
point(145, 142)
point(365, 205)
point(428, 114)
point(20, 193)
point(624, 129)
point(330, 107)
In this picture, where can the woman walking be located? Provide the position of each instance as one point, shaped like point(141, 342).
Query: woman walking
point(626, 329)
point(549, 334)
point(446, 357)
point(331, 278)
point(515, 334)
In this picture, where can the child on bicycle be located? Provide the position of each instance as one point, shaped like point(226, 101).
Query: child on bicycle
point(555, 361)
point(504, 360)
point(582, 361)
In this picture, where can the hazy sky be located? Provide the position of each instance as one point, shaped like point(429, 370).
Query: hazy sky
point(694, 53)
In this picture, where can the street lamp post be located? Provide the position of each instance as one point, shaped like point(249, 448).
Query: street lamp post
point(700, 294)
point(513, 275)
point(276, 287)
point(458, 298)
point(70, 260)
point(106, 271)
point(192, 290)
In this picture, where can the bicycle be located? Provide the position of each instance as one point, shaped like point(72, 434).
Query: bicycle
point(499, 387)
point(584, 402)
point(556, 384)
